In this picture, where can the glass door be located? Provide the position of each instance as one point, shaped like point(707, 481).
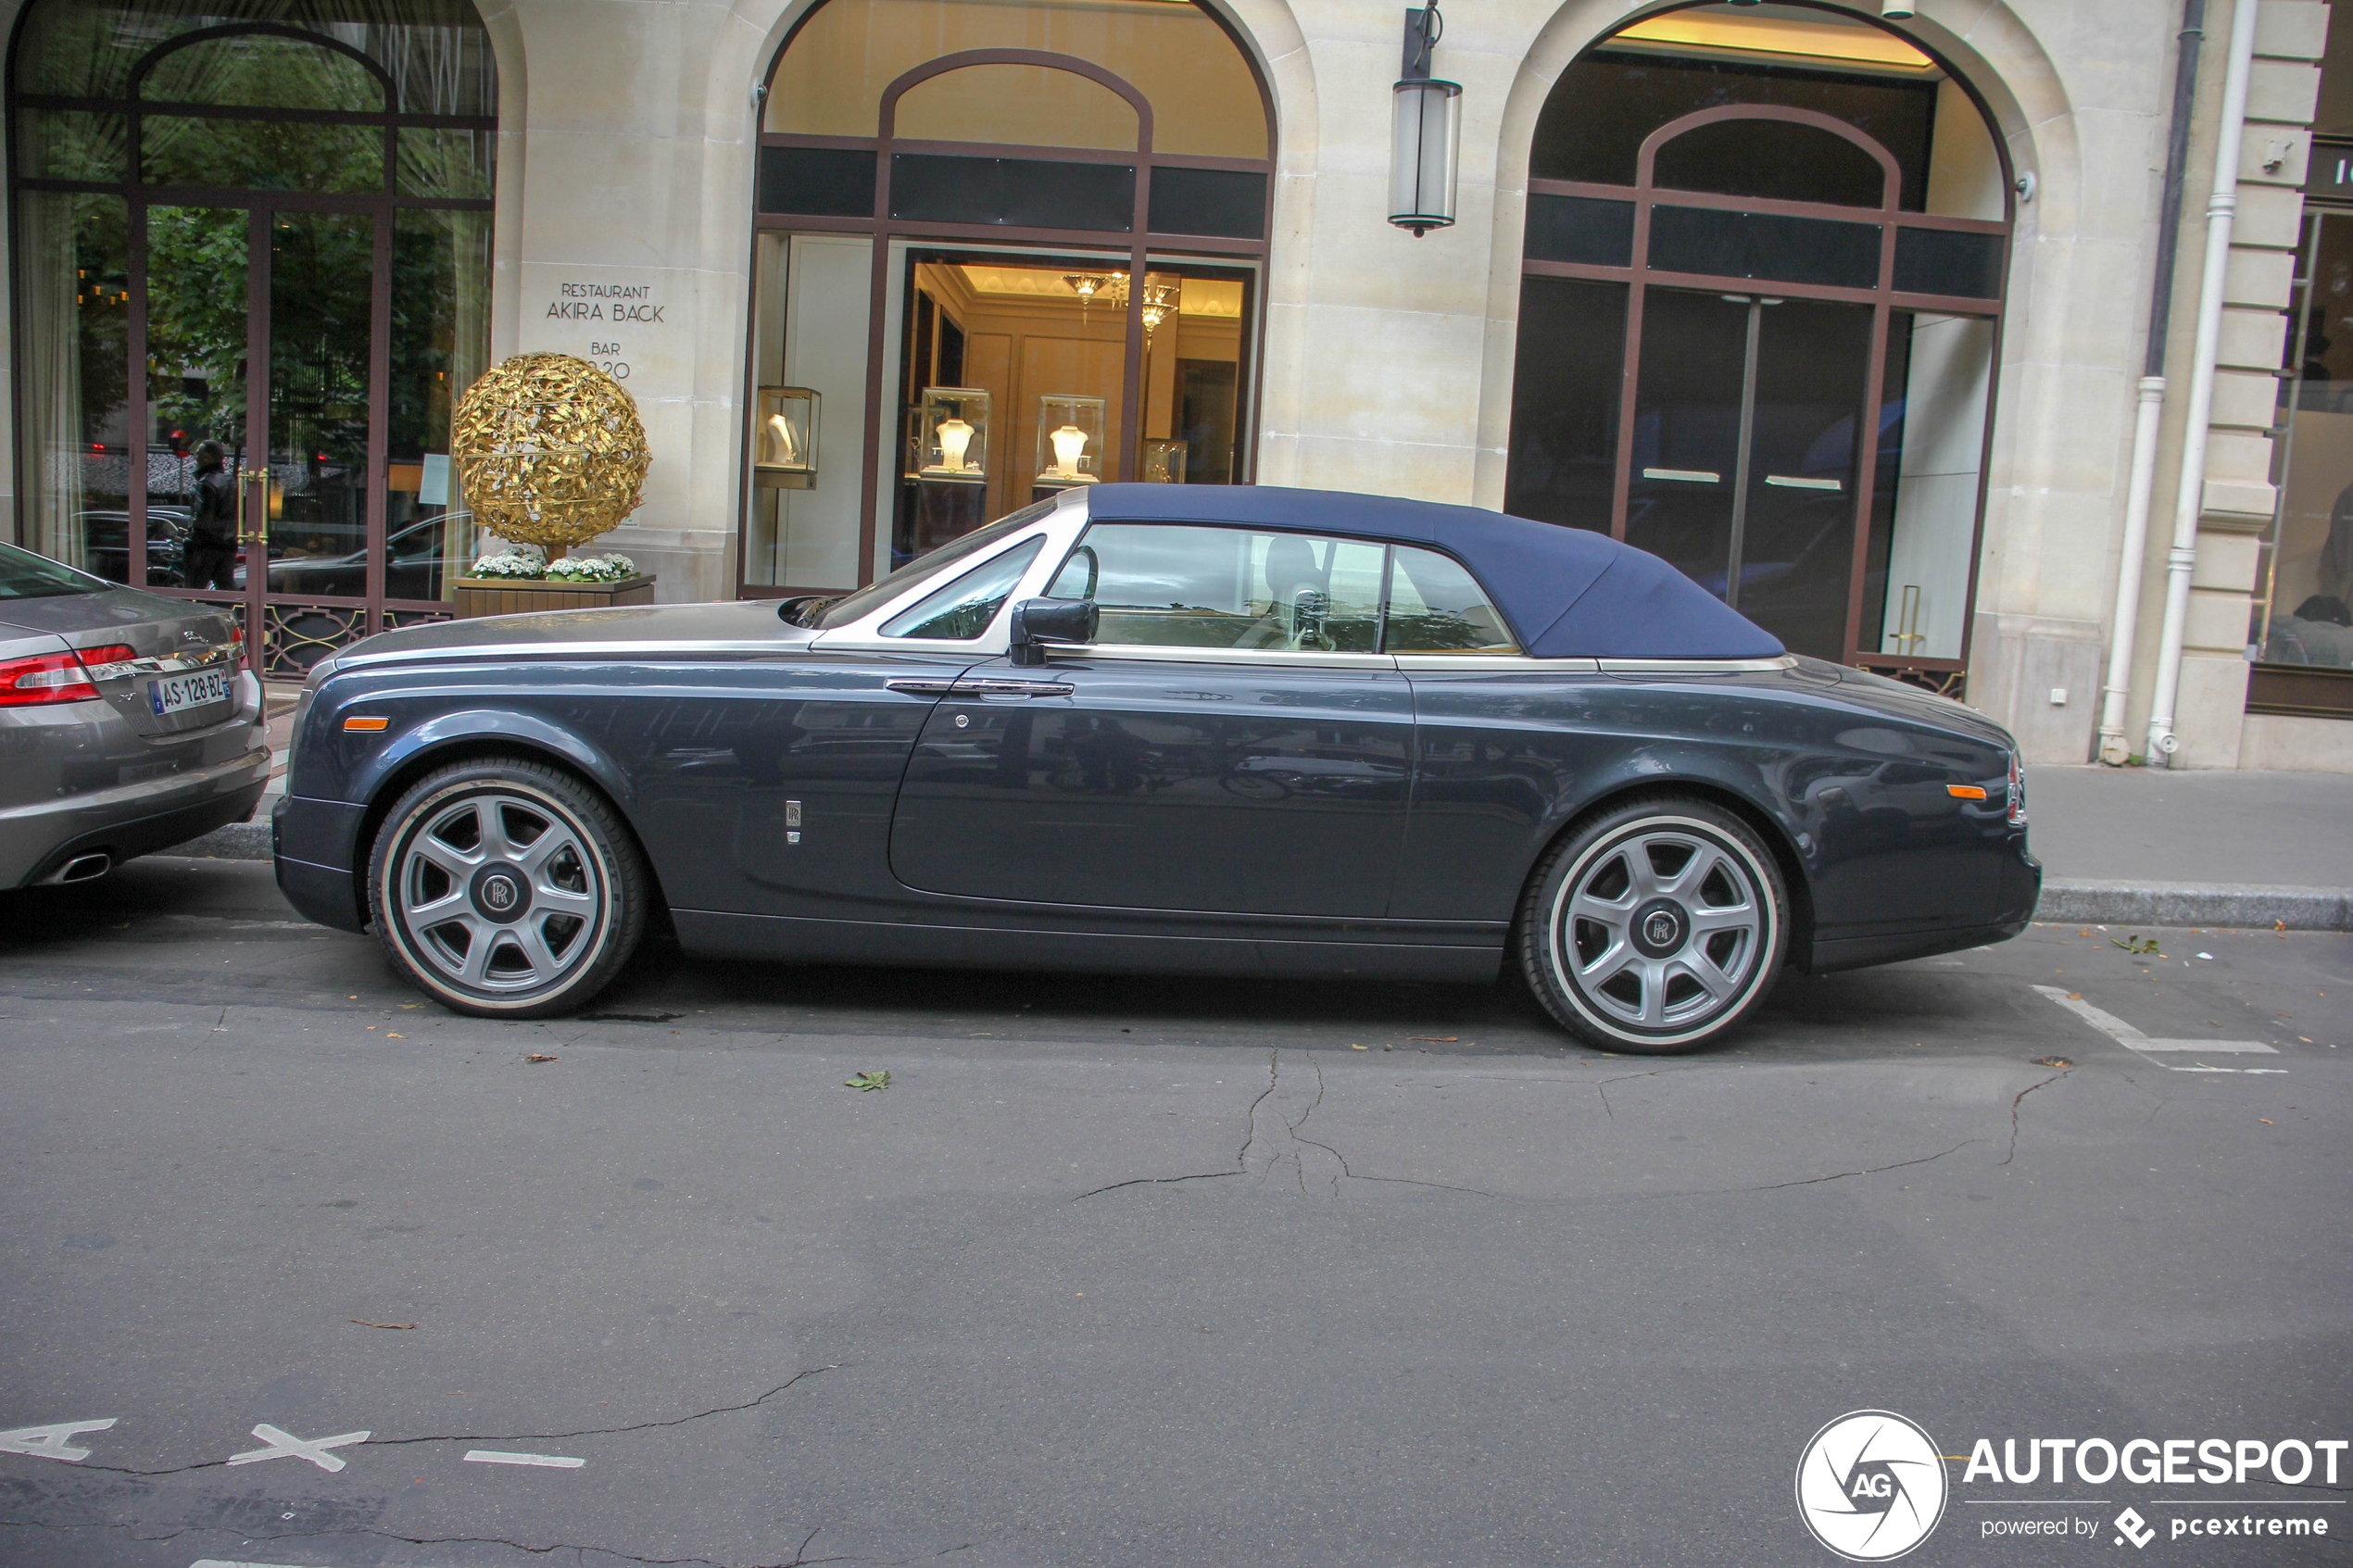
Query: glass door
point(312, 561)
point(1745, 415)
point(267, 487)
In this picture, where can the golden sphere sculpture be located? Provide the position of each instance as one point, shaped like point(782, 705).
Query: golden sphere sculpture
point(551, 451)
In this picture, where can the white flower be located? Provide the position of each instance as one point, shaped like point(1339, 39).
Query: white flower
point(593, 569)
point(510, 563)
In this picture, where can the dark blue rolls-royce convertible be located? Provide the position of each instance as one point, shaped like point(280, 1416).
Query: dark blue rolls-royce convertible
point(1165, 728)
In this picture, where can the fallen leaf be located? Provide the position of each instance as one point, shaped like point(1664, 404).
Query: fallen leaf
point(390, 1034)
point(1360, 1047)
point(2075, 996)
point(862, 1082)
point(2266, 1122)
point(2052, 1061)
point(534, 1056)
point(1436, 1039)
point(2306, 1038)
point(363, 1322)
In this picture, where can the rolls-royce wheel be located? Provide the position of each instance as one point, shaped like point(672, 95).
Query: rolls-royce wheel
point(507, 888)
point(1655, 927)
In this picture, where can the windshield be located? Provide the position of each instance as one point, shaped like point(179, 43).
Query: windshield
point(24, 576)
point(844, 610)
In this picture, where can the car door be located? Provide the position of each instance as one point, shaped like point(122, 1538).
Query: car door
point(1230, 743)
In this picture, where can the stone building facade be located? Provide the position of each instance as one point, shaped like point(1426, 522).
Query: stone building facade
point(627, 155)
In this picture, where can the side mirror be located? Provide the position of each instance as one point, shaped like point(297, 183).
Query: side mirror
point(1038, 621)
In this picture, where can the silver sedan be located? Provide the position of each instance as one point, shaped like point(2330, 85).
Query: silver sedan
point(128, 722)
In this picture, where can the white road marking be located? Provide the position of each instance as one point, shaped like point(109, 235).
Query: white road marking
point(285, 1445)
point(50, 1442)
point(224, 1562)
point(492, 1456)
point(2141, 1044)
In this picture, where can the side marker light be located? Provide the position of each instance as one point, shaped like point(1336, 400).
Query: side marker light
point(385, 723)
point(1958, 792)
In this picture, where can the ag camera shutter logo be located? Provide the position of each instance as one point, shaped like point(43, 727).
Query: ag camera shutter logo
point(1870, 1486)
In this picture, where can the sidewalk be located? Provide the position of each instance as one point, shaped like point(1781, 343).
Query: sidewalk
point(2126, 844)
point(2119, 846)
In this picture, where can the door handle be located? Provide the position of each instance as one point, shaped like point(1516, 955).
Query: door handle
point(1792, 482)
point(260, 532)
point(992, 687)
point(1688, 476)
point(933, 687)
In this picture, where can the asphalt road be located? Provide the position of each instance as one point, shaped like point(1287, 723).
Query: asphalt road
point(1135, 1274)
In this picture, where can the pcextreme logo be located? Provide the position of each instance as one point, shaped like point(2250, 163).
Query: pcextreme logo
point(1870, 1486)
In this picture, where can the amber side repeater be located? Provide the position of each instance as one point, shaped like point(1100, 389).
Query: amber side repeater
point(383, 723)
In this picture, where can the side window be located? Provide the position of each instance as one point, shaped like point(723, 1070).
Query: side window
point(1436, 606)
point(962, 609)
point(1179, 585)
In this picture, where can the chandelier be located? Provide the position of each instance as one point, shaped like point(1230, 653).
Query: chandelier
point(1160, 299)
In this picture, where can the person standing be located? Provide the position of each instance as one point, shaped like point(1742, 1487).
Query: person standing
point(212, 534)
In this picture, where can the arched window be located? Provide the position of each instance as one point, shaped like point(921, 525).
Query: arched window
point(1003, 250)
point(1764, 259)
point(252, 264)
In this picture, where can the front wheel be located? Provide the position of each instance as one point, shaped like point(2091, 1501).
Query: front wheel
point(507, 888)
point(1655, 928)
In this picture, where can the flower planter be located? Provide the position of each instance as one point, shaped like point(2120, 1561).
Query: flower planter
point(527, 596)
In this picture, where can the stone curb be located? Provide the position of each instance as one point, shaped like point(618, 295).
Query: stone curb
point(2196, 903)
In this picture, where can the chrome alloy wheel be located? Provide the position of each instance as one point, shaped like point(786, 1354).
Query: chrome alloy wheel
point(499, 893)
point(1663, 929)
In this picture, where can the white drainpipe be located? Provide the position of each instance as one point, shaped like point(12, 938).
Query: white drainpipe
point(2114, 749)
point(2189, 504)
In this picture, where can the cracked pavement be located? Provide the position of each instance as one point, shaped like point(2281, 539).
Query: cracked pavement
point(1115, 1272)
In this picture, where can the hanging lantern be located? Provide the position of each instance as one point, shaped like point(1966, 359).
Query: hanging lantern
point(1426, 136)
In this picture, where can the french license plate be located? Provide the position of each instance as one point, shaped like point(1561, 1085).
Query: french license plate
point(176, 693)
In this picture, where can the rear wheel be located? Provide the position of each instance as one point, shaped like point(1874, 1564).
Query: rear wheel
point(507, 888)
point(1655, 928)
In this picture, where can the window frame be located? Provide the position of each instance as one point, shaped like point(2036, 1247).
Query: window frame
point(893, 236)
point(1645, 195)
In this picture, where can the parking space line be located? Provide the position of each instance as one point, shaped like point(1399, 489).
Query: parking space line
point(2142, 1044)
point(492, 1456)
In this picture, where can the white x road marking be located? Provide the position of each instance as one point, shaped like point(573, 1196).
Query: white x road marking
point(2133, 1040)
point(50, 1442)
point(285, 1445)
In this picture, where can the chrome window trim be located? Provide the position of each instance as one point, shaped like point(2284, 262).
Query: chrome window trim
point(1059, 529)
point(1494, 664)
point(1153, 653)
point(1696, 666)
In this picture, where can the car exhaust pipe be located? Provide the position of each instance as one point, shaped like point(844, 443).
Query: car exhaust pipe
point(82, 868)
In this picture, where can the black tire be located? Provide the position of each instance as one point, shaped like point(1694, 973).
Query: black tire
point(1654, 927)
point(485, 912)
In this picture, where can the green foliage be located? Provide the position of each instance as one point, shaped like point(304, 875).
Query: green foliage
point(864, 1081)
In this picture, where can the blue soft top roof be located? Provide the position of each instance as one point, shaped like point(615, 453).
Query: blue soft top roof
point(1567, 592)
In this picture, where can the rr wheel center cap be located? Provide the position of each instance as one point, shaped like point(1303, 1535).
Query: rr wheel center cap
point(501, 894)
point(1660, 927)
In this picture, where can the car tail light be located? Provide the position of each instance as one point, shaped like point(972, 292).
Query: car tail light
point(2017, 793)
point(56, 677)
point(236, 651)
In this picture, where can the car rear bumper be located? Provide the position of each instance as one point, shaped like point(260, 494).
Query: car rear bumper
point(312, 843)
point(2020, 887)
point(133, 819)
